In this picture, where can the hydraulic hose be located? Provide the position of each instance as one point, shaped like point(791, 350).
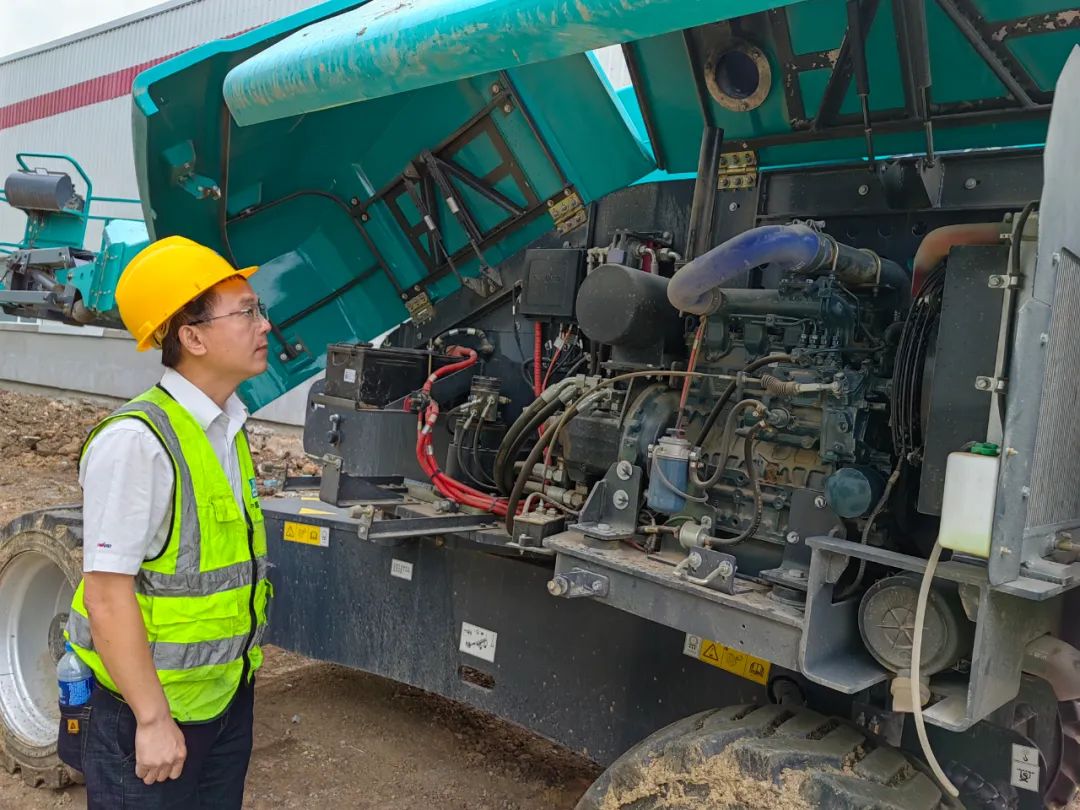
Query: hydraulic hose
point(535, 414)
point(508, 449)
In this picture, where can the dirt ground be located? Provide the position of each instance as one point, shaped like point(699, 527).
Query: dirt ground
point(325, 736)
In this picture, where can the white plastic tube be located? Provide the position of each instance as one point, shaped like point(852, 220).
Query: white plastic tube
point(916, 665)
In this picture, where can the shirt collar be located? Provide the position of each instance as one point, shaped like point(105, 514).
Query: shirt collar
point(198, 404)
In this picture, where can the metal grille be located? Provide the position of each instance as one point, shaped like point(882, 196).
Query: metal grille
point(1055, 469)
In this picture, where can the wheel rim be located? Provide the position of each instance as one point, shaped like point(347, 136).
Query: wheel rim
point(33, 592)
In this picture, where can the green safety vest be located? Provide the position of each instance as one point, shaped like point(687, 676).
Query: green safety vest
point(204, 598)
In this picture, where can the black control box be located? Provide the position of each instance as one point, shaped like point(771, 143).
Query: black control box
point(552, 278)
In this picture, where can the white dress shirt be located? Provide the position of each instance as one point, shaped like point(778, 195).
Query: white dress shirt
point(127, 479)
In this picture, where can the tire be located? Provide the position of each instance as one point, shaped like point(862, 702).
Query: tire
point(40, 567)
point(752, 757)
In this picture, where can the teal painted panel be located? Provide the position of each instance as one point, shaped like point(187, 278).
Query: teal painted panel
point(667, 86)
point(1044, 55)
point(1011, 9)
point(883, 63)
point(959, 73)
point(392, 46)
point(318, 276)
point(817, 25)
point(96, 281)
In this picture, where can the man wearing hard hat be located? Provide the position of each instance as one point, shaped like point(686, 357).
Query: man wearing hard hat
point(173, 600)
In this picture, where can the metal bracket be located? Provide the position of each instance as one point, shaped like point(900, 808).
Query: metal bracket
point(488, 282)
point(992, 384)
point(531, 529)
point(610, 512)
point(567, 211)
point(738, 171)
point(912, 183)
point(372, 527)
point(47, 257)
point(1005, 282)
point(879, 723)
point(577, 583)
point(199, 187)
point(420, 308)
point(708, 568)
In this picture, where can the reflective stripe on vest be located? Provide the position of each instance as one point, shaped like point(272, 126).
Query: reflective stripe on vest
point(169, 655)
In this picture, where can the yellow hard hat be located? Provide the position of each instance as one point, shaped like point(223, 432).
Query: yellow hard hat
point(164, 277)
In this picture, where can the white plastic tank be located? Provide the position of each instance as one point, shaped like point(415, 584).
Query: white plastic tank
point(967, 510)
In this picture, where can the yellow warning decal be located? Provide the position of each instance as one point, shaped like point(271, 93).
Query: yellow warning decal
point(307, 534)
point(728, 659)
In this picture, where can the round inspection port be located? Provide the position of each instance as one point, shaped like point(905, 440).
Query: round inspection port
point(738, 76)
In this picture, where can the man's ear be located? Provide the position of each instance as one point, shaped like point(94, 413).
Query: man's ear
point(191, 340)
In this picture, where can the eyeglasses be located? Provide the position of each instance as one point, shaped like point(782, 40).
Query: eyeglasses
point(253, 314)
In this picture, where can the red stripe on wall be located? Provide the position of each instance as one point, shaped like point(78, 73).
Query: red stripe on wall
point(101, 88)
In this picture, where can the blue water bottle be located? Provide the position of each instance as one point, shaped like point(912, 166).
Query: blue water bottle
point(75, 679)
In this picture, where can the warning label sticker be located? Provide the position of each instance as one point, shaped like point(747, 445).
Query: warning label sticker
point(307, 534)
point(728, 659)
point(1025, 768)
point(478, 641)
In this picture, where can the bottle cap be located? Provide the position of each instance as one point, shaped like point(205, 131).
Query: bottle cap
point(67, 646)
point(985, 449)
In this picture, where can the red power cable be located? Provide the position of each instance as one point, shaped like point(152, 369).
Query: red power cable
point(538, 358)
point(425, 452)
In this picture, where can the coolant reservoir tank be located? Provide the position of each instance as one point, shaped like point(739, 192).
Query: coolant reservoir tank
point(967, 509)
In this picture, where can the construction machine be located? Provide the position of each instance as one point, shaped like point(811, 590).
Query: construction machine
point(723, 429)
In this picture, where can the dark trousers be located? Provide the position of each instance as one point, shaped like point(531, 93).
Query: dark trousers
point(213, 777)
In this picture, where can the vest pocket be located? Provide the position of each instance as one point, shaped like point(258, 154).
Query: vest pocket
point(225, 508)
point(71, 739)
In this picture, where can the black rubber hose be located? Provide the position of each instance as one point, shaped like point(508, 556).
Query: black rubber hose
point(503, 469)
point(476, 482)
point(489, 482)
point(725, 442)
point(522, 420)
point(718, 407)
point(759, 505)
point(523, 476)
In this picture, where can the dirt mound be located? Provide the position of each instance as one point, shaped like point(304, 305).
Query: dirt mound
point(44, 433)
point(37, 431)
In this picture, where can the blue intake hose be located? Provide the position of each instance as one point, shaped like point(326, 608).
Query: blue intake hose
point(695, 288)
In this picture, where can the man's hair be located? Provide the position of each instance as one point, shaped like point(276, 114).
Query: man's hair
point(168, 336)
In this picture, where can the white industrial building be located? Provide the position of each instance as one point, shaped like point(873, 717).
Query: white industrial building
point(73, 96)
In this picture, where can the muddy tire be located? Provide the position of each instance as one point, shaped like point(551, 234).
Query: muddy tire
point(771, 757)
point(40, 567)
